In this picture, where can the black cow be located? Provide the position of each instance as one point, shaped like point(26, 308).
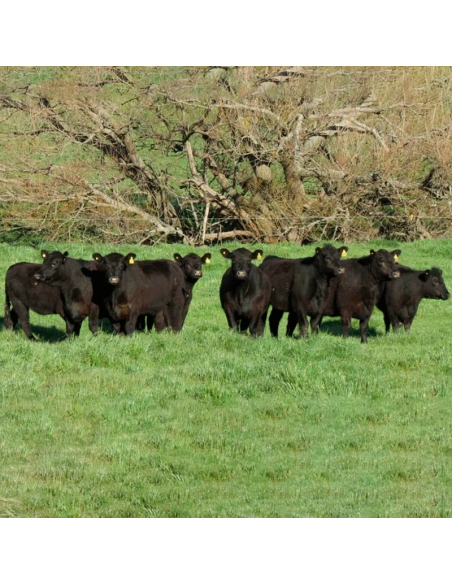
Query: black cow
point(245, 292)
point(299, 286)
point(355, 293)
point(24, 292)
point(74, 279)
point(133, 289)
point(400, 298)
point(191, 266)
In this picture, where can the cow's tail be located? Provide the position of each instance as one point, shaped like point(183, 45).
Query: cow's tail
point(8, 322)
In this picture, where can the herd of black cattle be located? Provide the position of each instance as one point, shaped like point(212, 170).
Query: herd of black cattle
point(157, 293)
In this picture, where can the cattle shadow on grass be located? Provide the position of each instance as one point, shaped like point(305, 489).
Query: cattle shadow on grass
point(334, 327)
point(48, 334)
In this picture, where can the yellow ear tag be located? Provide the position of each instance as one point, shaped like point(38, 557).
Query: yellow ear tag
point(344, 253)
point(396, 257)
point(207, 261)
point(131, 261)
point(259, 256)
point(44, 255)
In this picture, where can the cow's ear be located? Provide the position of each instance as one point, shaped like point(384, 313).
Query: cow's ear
point(225, 252)
point(257, 255)
point(206, 258)
point(395, 254)
point(177, 257)
point(424, 275)
point(97, 257)
point(44, 253)
point(65, 256)
point(372, 252)
point(343, 250)
point(130, 258)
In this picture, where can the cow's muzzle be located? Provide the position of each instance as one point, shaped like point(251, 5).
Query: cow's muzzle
point(113, 280)
point(38, 276)
point(395, 274)
point(340, 271)
point(197, 274)
point(240, 274)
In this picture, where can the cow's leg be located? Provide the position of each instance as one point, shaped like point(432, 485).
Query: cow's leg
point(94, 319)
point(244, 324)
point(274, 320)
point(257, 324)
point(11, 319)
point(172, 316)
point(346, 322)
point(396, 324)
point(315, 324)
point(303, 323)
point(130, 324)
point(292, 321)
point(387, 322)
point(117, 327)
point(230, 317)
point(23, 315)
point(161, 322)
point(363, 328)
point(70, 328)
point(141, 323)
point(77, 327)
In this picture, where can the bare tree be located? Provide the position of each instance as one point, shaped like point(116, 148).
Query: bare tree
point(204, 154)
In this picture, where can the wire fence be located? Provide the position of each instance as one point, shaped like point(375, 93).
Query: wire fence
point(303, 228)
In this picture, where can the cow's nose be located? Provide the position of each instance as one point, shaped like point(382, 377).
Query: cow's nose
point(341, 270)
point(241, 274)
point(396, 274)
point(38, 276)
point(197, 273)
point(113, 280)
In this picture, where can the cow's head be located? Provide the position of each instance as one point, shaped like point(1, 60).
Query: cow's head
point(241, 261)
point(191, 265)
point(384, 263)
point(434, 286)
point(114, 265)
point(53, 268)
point(329, 259)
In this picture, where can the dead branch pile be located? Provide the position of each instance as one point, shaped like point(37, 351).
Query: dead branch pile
point(206, 154)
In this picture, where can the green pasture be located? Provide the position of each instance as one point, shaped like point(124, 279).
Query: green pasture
point(210, 423)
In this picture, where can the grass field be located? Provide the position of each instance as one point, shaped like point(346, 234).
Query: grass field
point(209, 423)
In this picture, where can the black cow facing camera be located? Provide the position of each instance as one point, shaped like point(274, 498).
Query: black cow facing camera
point(191, 266)
point(245, 292)
point(134, 289)
point(355, 293)
point(299, 287)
